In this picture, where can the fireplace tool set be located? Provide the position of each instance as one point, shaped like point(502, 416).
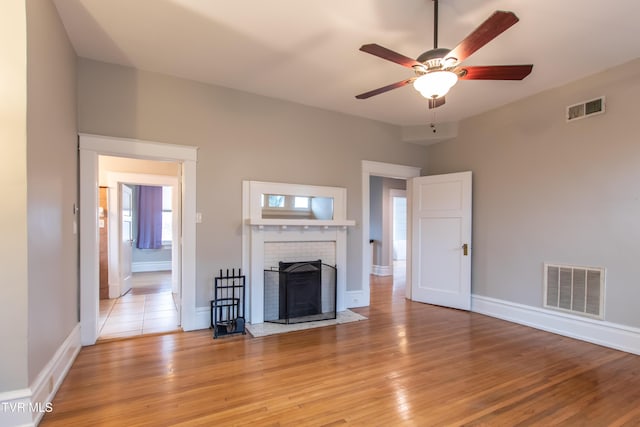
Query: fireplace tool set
point(227, 305)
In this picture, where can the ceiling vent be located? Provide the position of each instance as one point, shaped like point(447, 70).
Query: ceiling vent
point(577, 290)
point(585, 109)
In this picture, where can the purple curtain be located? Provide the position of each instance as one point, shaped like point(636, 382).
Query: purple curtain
point(149, 217)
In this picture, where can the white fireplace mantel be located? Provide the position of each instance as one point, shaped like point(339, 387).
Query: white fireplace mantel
point(304, 223)
point(258, 230)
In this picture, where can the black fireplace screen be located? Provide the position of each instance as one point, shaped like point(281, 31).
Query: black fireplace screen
point(300, 292)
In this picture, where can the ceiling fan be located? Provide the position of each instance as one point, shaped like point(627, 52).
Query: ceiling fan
point(438, 69)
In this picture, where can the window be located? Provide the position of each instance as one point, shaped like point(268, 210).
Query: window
point(301, 202)
point(167, 215)
point(276, 201)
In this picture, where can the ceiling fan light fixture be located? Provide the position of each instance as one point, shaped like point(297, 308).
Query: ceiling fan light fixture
point(435, 84)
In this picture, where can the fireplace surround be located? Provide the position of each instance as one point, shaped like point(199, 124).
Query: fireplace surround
point(307, 239)
point(300, 291)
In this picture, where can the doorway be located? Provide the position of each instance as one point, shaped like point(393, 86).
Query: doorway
point(142, 221)
point(91, 147)
point(385, 170)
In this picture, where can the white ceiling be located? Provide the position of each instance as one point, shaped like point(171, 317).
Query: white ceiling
point(306, 51)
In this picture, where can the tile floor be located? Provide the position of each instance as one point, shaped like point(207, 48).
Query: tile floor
point(148, 308)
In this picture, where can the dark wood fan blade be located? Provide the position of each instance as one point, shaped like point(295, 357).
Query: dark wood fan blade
point(494, 72)
point(435, 103)
point(389, 55)
point(495, 25)
point(385, 88)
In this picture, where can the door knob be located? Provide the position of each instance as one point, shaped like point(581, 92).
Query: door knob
point(465, 249)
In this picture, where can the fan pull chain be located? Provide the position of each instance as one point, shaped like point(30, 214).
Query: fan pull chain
point(432, 125)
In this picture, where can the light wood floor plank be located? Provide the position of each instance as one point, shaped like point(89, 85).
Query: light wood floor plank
point(409, 364)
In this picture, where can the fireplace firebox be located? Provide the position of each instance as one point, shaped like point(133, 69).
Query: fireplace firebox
point(300, 292)
point(300, 288)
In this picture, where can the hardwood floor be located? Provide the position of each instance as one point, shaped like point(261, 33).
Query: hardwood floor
point(409, 364)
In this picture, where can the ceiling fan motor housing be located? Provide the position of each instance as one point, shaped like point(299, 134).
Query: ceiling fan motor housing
point(433, 59)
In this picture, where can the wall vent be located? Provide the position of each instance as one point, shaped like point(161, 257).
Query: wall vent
point(577, 290)
point(585, 109)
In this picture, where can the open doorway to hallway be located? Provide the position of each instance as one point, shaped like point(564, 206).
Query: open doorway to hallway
point(388, 227)
point(139, 251)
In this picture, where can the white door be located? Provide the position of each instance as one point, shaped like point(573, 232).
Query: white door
point(441, 268)
point(126, 237)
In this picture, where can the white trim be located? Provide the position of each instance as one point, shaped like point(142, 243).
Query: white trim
point(89, 247)
point(90, 147)
point(203, 318)
point(41, 392)
point(48, 381)
point(387, 170)
point(357, 299)
point(136, 148)
point(599, 332)
point(382, 270)
point(16, 399)
point(146, 266)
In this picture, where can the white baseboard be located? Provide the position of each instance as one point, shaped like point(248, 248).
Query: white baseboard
point(382, 270)
point(14, 408)
point(26, 407)
point(599, 332)
point(203, 318)
point(143, 267)
point(357, 299)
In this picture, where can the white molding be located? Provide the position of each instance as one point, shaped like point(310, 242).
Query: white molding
point(202, 318)
point(16, 399)
point(91, 146)
point(146, 266)
point(387, 170)
point(613, 335)
point(357, 299)
point(48, 381)
point(31, 403)
point(89, 246)
point(136, 148)
point(382, 270)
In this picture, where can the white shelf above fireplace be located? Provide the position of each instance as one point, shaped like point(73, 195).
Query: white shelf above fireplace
point(302, 222)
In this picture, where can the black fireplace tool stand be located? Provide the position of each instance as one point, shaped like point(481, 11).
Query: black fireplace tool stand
point(227, 305)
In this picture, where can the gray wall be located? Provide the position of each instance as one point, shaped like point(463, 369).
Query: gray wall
point(547, 190)
point(52, 152)
point(241, 137)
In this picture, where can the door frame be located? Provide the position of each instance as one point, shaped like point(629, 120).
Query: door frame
point(91, 146)
point(386, 170)
point(123, 286)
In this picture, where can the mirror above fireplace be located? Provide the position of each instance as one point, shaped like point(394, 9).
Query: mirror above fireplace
point(272, 203)
point(287, 206)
